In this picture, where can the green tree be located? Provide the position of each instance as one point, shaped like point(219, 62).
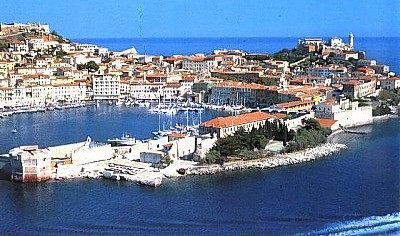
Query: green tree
point(92, 66)
point(60, 54)
point(212, 156)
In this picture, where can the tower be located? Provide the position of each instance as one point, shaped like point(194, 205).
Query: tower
point(351, 40)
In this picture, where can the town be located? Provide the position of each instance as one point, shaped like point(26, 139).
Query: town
point(329, 82)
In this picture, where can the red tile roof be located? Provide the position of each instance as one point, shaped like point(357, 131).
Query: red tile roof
point(223, 122)
point(294, 104)
point(235, 84)
point(177, 135)
point(326, 122)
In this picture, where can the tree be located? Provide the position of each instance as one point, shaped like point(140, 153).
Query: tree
point(60, 54)
point(212, 156)
point(92, 66)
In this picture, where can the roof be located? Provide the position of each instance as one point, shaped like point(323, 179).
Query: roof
point(235, 84)
point(294, 104)
point(394, 78)
point(177, 135)
point(222, 122)
point(326, 122)
point(351, 82)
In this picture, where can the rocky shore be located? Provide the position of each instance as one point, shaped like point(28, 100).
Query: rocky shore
point(270, 162)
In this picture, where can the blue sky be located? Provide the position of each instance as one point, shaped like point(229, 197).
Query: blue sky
point(208, 18)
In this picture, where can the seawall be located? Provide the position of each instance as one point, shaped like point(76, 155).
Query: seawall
point(271, 162)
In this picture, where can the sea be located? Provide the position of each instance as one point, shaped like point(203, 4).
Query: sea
point(353, 192)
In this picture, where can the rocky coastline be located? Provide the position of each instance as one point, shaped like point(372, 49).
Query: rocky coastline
point(307, 155)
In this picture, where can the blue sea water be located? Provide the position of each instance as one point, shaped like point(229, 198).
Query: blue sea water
point(386, 50)
point(354, 191)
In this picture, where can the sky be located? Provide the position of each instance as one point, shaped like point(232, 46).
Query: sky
point(208, 18)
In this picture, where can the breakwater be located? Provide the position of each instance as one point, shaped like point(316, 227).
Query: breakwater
point(307, 155)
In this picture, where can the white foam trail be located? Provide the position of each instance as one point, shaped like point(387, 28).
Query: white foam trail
point(373, 225)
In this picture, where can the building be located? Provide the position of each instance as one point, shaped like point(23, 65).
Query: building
point(391, 83)
point(238, 93)
point(225, 126)
point(296, 105)
point(30, 164)
point(106, 87)
point(351, 40)
point(310, 45)
point(380, 69)
point(91, 152)
point(241, 76)
point(359, 88)
point(199, 63)
point(146, 91)
point(347, 113)
point(366, 62)
point(325, 71)
point(346, 55)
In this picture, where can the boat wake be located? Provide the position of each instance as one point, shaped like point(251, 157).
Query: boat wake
point(373, 225)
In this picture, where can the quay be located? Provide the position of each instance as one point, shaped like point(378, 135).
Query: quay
point(355, 132)
point(349, 131)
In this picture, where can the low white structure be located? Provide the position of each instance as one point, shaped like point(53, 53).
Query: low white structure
point(347, 113)
point(91, 152)
point(153, 157)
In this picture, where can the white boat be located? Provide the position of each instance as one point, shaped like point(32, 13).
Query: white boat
point(119, 103)
point(14, 131)
point(41, 109)
point(125, 140)
point(143, 104)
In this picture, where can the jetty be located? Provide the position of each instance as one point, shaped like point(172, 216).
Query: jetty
point(349, 131)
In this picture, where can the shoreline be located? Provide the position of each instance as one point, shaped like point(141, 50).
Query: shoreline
point(307, 155)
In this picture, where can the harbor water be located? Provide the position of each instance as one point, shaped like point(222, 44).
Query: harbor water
point(352, 191)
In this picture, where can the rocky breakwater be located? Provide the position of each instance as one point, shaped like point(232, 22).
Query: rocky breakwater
point(271, 162)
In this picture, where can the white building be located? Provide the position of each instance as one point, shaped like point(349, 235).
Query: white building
point(106, 86)
point(146, 91)
point(85, 47)
point(326, 71)
point(69, 92)
point(198, 64)
point(19, 47)
point(347, 113)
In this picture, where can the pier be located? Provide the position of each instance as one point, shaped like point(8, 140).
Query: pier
point(348, 131)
